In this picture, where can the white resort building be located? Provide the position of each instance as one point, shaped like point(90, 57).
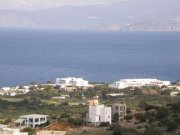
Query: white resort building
point(98, 114)
point(31, 120)
point(71, 81)
point(125, 83)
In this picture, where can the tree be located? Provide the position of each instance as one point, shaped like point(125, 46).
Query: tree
point(33, 83)
point(128, 117)
point(162, 113)
point(75, 122)
point(21, 87)
point(175, 107)
point(49, 82)
point(153, 131)
point(104, 124)
point(48, 90)
point(115, 118)
point(143, 105)
point(141, 117)
point(177, 119)
point(150, 116)
point(172, 125)
point(64, 103)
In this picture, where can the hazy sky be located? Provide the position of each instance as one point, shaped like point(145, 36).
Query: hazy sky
point(87, 14)
point(41, 4)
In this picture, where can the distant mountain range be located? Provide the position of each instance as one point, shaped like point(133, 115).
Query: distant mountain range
point(141, 26)
point(132, 15)
point(153, 26)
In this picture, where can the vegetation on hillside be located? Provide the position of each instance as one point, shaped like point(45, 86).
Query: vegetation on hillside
point(151, 111)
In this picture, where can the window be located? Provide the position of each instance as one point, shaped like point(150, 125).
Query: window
point(42, 119)
point(30, 120)
point(37, 120)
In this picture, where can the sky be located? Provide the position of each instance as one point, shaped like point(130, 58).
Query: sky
point(90, 14)
point(42, 4)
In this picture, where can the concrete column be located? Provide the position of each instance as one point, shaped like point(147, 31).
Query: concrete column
point(34, 123)
point(45, 119)
point(39, 121)
point(27, 122)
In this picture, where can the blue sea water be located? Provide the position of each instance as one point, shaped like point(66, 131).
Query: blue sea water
point(42, 55)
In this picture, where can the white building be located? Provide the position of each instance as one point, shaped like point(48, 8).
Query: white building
point(115, 94)
point(120, 109)
point(5, 130)
point(174, 93)
point(6, 89)
point(44, 132)
point(32, 120)
point(71, 81)
point(2, 92)
point(98, 114)
point(125, 83)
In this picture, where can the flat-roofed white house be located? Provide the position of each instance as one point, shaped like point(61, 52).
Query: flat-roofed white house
point(6, 89)
point(2, 92)
point(115, 94)
point(71, 81)
point(125, 83)
point(174, 93)
point(32, 120)
point(98, 114)
point(6, 130)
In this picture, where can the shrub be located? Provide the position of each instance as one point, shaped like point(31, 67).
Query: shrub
point(30, 130)
point(177, 120)
point(162, 113)
point(104, 124)
point(75, 122)
point(115, 117)
point(125, 131)
point(141, 117)
point(7, 121)
point(172, 125)
point(153, 131)
point(128, 117)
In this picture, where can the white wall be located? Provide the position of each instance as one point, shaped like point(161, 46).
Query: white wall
point(138, 83)
point(99, 113)
point(79, 82)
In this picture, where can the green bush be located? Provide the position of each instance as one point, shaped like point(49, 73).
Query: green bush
point(128, 117)
point(172, 125)
point(153, 131)
point(104, 124)
point(30, 130)
point(7, 121)
point(141, 117)
point(75, 122)
point(162, 113)
point(115, 117)
point(124, 131)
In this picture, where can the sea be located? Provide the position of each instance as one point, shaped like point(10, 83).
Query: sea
point(28, 55)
